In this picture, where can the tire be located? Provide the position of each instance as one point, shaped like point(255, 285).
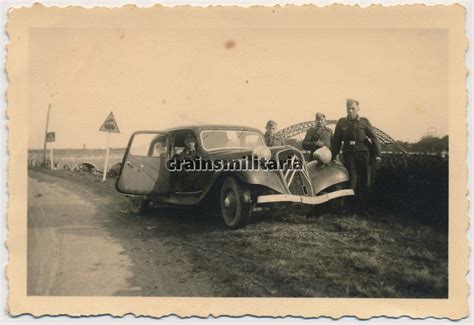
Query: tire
point(235, 203)
point(138, 204)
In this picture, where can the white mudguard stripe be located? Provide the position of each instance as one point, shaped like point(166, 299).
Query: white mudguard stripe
point(304, 199)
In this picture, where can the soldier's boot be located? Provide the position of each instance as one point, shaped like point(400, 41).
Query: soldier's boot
point(364, 203)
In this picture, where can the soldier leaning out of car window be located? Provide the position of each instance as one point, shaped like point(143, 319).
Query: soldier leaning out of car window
point(272, 139)
point(318, 136)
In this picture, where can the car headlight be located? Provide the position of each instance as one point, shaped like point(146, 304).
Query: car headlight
point(262, 152)
point(323, 155)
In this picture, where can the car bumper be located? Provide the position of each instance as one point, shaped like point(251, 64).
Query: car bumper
point(304, 199)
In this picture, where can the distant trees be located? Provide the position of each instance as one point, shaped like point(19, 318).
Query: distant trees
point(431, 144)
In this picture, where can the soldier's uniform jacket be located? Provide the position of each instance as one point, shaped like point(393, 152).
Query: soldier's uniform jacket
point(188, 154)
point(316, 137)
point(355, 134)
point(274, 141)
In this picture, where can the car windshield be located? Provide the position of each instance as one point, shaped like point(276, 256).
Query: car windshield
point(230, 139)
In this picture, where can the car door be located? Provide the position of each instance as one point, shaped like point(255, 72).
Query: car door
point(144, 169)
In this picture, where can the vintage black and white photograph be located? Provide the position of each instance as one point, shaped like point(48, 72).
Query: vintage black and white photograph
point(205, 152)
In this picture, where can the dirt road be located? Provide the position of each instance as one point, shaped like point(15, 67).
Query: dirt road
point(68, 251)
point(82, 240)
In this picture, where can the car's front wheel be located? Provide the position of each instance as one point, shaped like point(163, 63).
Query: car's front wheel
point(235, 203)
point(138, 204)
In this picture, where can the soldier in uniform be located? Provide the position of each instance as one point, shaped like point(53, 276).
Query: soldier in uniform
point(186, 181)
point(318, 136)
point(189, 152)
point(361, 149)
point(272, 139)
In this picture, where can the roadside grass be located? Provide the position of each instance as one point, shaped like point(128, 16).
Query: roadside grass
point(336, 256)
point(285, 253)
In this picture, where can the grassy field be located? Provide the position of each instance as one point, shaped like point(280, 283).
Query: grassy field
point(284, 253)
point(331, 256)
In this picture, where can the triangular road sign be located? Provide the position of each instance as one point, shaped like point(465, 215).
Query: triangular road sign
point(110, 124)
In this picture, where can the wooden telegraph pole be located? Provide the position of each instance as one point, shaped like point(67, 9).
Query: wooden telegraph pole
point(46, 136)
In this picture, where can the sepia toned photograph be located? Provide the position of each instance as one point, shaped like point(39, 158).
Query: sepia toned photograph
point(264, 152)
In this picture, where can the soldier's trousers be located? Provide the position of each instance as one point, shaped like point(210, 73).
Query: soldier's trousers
point(358, 165)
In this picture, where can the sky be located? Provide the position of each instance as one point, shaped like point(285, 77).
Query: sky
point(153, 79)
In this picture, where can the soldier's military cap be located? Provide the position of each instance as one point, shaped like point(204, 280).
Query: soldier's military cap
point(320, 115)
point(271, 123)
point(351, 101)
point(189, 138)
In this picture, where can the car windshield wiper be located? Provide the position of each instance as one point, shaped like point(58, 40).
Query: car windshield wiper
point(208, 134)
point(240, 134)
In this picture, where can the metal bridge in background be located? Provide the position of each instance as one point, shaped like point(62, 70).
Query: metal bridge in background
point(387, 142)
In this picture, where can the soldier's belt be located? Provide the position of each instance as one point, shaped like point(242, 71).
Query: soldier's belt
point(353, 143)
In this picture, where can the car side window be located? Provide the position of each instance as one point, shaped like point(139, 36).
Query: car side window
point(149, 144)
point(178, 150)
point(160, 147)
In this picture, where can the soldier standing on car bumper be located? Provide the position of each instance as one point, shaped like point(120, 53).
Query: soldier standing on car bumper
point(361, 148)
point(318, 136)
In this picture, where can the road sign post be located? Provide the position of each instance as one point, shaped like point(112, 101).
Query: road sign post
point(109, 126)
point(107, 153)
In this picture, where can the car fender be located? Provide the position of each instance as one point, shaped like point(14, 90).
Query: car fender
point(263, 178)
point(325, 175)
point(270, 179)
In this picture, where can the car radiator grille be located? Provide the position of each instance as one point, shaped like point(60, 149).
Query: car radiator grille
point(297, 181)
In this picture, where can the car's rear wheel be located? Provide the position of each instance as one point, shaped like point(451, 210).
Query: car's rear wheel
point(235, 203)
point(138, 204)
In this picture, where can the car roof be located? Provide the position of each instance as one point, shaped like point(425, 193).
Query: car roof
point(212, 127)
